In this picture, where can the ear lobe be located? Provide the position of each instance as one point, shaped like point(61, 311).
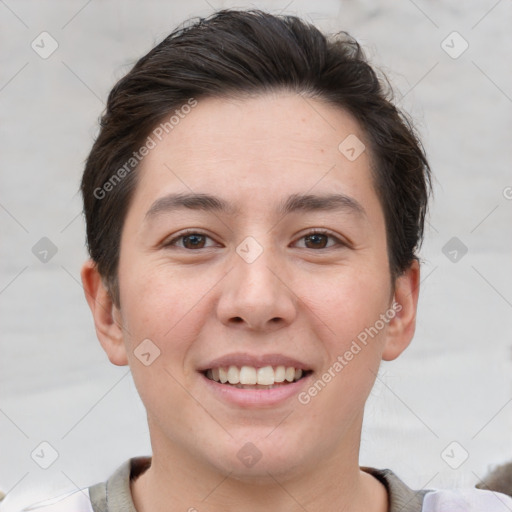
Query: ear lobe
point(105, 314)
point(400, 330)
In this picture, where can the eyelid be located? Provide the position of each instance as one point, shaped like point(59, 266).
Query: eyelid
point(313, 231)
point(323, 231)
point(169, 242)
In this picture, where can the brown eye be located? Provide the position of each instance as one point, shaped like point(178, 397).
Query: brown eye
point(190, 240)
point(319, 240)
point(193, 241)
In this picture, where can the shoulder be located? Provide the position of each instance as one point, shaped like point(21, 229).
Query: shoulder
point(78, 501)
point(402, 497)
point(94, 498)
point(466, 500)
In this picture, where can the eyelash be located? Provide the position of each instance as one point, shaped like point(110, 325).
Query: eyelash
point(189, 232)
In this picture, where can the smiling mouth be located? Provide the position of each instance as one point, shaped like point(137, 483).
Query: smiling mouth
point(249, 377)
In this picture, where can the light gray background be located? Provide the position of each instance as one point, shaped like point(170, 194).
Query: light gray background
point(454, 383)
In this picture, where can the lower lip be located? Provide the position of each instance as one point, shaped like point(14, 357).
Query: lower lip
point(255, 397)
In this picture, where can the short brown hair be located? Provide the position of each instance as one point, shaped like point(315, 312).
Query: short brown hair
point(250, 52)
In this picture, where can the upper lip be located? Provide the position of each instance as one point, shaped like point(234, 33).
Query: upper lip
point(257, 361)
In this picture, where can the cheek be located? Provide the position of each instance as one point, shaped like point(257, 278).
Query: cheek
point(154, 299)
point(159, 307)
point(351, 301)
point(168, 306)
point(348, 322)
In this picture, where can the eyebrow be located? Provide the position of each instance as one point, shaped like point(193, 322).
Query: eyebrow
point(294, 203)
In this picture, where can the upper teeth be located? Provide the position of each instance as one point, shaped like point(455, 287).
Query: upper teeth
point(249, 375)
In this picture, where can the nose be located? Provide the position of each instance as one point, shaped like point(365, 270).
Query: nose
point(257, 293)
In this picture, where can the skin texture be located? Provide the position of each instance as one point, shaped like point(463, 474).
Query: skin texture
point(305, 300)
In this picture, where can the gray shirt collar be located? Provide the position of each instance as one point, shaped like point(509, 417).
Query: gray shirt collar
point(115, 495)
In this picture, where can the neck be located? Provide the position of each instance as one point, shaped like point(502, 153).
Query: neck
point(175, 481)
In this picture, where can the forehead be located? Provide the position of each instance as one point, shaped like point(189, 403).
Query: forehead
point(253, 150)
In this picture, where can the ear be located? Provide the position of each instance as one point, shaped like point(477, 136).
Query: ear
point(107, 317)
point(401, 328)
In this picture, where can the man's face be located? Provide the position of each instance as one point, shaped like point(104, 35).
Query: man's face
point(256, 288)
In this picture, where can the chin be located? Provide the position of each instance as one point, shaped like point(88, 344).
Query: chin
point(261, 461)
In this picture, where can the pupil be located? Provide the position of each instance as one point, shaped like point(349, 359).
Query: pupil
point(310, 237)
point(192, 237)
